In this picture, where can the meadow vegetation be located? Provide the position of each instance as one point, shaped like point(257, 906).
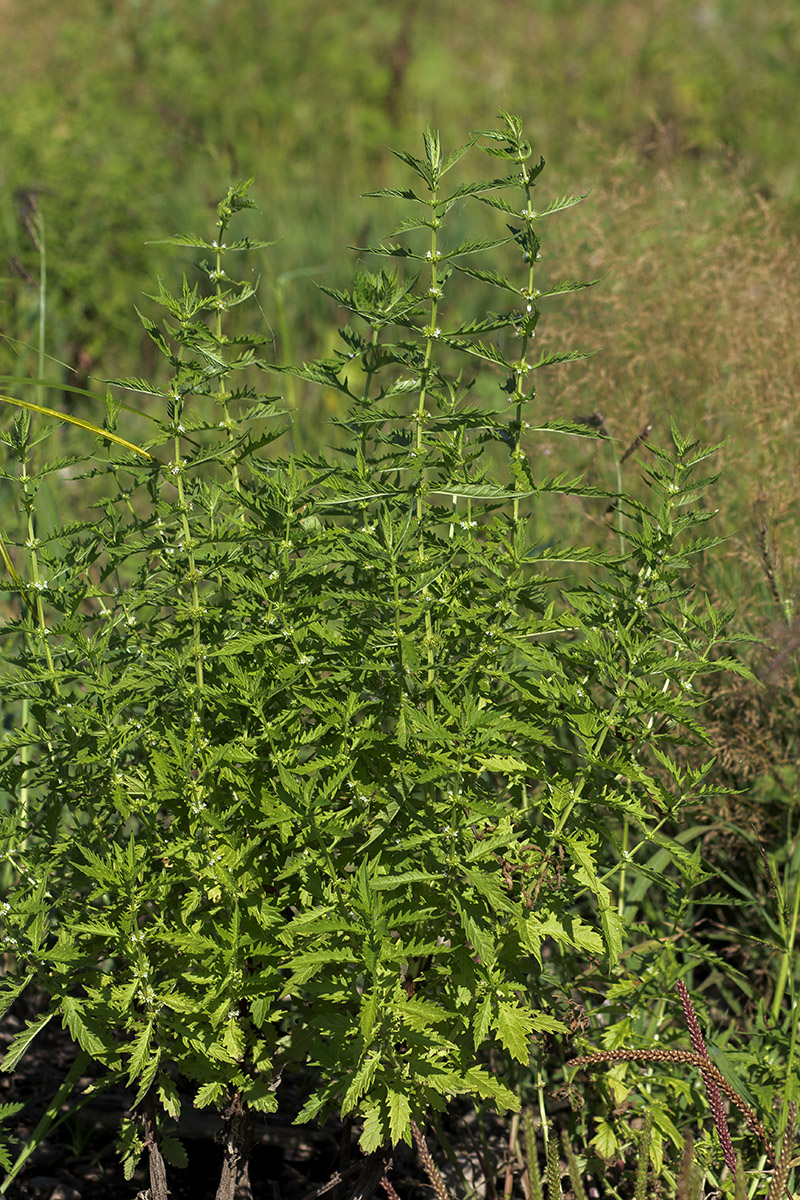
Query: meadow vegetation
point(529, 700)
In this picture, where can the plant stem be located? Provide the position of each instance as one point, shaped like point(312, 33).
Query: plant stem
point(158, 1172)
point(234, 1182)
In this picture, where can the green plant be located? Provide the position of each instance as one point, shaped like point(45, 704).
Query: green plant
point(330, 760)
point(6, 1112)
point(716, 1085)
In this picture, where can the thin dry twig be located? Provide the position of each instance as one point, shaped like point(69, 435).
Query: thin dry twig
point(336, 1178)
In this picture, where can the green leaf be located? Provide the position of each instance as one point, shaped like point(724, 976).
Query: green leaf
point(369, 1009)
point(173, 1150)
point(140, 1051)
point(565, 201)
point(361, 1081)
point(613, 930)
point(209, 1093)
point(385, 883)
point(482, 1084)
point(87, 1040)
point(129, 1146)
point(260, 1095)
point(610, 920)
point(481, 1021)
point(514, 1028)
point(168, 1096)
point(543, 1023)
point(373, 1134)
point(148, 1075)
point(505, 763)
point(23, 1039)
point(605, 1140)
point(399, 1118)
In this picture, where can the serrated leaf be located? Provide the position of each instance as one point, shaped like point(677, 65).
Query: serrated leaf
point(148, 1075)
point(183, 239)
point(481, 1021)
point(385, 883)
point(23, 1039)
point(399, 1118)
point(543, 1023)
point(613, 929)
point(489, 887)
point(140, 1051)
point(168, 1095)
point(372, 1135)
point(369, 1009)
point(505, 763)
point(361, 1081)
point(480, 937)
point(260, 1095)
point(209, 1093)
point(481, 1083)
point(584, 937)
point(173, 1150)
point(514, 1028)
point(133, 383)
point(605, 1140)
point(87, 1040)
point(558, 205)
point(11, 992)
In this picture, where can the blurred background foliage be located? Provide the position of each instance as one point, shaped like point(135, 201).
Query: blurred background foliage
point(124, 120)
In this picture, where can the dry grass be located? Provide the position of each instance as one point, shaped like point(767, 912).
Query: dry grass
point(698, 320)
